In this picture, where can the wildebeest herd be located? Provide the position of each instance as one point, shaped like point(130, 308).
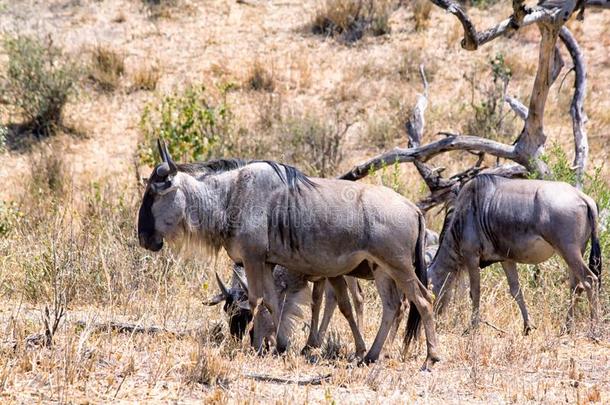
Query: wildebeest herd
point(283, 230)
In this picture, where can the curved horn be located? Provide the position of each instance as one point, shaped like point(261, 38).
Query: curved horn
point(217, 299)
point(243, 283)
point(222, 286)
point(161, 150)
point(172, 166)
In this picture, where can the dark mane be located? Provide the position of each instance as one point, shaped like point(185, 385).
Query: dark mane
point(484, 183)
point(212, 166)
point(291, 176)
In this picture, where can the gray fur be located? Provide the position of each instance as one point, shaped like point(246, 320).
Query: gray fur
point(511, 221)
point(266, 214)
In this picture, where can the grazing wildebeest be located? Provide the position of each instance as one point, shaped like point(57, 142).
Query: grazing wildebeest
point(264, 213)
point(495, 219)
point(293, 292)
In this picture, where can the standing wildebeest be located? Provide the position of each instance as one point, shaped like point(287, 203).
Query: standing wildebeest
point(264, 213)
point(495, 219)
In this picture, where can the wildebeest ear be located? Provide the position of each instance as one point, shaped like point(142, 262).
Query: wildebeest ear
point(215, 300)
point(162, 187)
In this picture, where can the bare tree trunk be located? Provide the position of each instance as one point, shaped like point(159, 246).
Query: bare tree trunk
point(528, 147)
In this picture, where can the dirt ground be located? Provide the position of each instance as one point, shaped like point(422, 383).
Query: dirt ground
point(216, 42)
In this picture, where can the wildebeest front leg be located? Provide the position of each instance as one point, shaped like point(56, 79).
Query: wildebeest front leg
point(474, 274)
point(255, 273)
point(340, 287)
point(314, 340)
point(512, 275)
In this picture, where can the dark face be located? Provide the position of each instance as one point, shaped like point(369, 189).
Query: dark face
point(147, 235)
point(160, 212)
point(239, 317)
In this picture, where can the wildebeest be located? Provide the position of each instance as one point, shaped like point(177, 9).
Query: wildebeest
point(293, 292)
point(264, 213)
point(495, 219)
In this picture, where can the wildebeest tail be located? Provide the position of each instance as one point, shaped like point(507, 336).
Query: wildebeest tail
point(420, 270)
point(595, 256)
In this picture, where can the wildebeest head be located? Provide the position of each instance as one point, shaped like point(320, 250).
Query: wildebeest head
point(162, 195)
point(236, 303)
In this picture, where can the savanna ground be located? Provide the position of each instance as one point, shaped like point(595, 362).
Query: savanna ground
point(275, 90)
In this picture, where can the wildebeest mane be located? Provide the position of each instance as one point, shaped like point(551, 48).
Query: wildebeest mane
point(479, 188)
point(291, 176)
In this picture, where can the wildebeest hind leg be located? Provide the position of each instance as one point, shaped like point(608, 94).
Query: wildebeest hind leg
point(390, 303)
point(357, 299)
point(330, 304)
point(512, 275)
point(583, 275)
point(345, 307)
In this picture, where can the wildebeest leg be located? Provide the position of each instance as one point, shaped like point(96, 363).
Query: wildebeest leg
point(474, 274)
point(340, 287)
point(330, 304)
point(275, 307)
point(400, 314)
point(572, 256)
point(418, 295)
point(357, 299)
point(575, 292)
point(257, 279)
point(390, 301)
point(512, 275)
point(313, 340)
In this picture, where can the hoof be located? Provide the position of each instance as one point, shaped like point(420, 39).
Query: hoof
point(528, 329)
point(367, 361)
point(431, 360)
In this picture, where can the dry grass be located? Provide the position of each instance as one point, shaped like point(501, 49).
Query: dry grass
point(421, 14)
point(260, 77)
point(351, 19)
point(145, 77)
point(70, 222)
point(106, 67)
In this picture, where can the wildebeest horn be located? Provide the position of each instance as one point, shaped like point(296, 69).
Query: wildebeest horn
point(167, 165)
point(161, 150)
point(243, 283)
point(217, 299)
point(222, 286)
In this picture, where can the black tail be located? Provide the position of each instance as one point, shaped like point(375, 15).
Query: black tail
point(422, 274)
point(595, 257)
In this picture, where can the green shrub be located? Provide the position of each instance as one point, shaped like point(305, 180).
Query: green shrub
point(9, 216)
point(38, 82)
point(192, 123)
point(349, 20)
point(490, 118)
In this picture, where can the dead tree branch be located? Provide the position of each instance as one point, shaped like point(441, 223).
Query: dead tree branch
point(579, 118)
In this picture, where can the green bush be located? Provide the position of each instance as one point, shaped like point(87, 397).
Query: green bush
point(192, 123)
point(38, 82)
